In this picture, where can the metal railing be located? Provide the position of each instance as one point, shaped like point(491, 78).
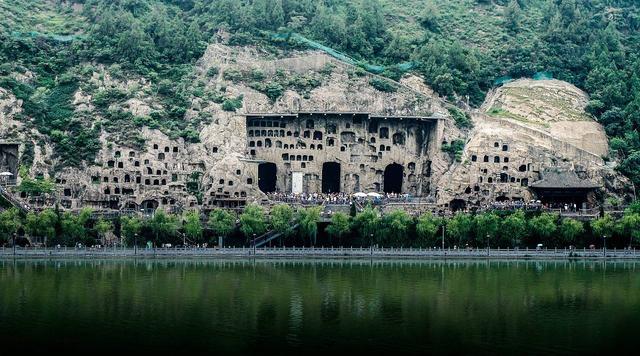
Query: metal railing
point(319, 252)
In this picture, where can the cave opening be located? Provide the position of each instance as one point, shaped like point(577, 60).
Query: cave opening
point(457, 204)
point(149, 206)
point(331, 177)
point(267, 177)
point(393, 178)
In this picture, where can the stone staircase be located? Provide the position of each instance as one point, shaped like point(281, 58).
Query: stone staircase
point(267, 237)
point(6, 195)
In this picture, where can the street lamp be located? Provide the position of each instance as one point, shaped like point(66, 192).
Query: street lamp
point(371, 244)
point(488, 236)
point(135, 244)
point(14, 243)
point(604, 245)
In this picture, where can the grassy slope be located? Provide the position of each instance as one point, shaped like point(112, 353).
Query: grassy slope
point(45, 17)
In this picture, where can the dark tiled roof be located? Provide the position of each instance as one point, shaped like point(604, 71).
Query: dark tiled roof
point(563, 179)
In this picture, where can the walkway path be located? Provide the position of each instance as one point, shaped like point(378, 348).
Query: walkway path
point(319, 252)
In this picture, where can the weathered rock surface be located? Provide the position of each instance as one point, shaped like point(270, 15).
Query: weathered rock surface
point(552, 106)
point(523, 129)
point(535, 124)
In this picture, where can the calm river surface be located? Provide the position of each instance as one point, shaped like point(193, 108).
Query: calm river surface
point(319, 307)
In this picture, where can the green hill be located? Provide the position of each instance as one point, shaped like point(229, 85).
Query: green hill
point(48, 49)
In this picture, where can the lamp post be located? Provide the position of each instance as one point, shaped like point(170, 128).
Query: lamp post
point(604, 246)
point(371, 244)
point(488, 236)
point(135, 244)
point(254, 244)
point(14, 243)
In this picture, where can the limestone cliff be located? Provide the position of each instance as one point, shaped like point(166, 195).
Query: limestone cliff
point(522, 129)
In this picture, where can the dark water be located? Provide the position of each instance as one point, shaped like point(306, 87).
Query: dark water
point(321, 307)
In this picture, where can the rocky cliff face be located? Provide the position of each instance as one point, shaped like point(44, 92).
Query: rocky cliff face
point(172, 173)
point(523, 128)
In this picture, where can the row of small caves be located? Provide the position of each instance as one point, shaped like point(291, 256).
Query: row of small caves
point(491, 175)
point(125, 180)
point(275, 129)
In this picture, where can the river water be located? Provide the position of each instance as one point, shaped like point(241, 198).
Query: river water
point(319, 307)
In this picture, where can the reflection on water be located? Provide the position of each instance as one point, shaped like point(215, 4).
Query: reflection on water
point(287, 306)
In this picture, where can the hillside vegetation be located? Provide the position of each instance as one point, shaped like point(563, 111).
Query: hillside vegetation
point(50, 49)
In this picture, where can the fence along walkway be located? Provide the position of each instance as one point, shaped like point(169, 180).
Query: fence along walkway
point(318, 252)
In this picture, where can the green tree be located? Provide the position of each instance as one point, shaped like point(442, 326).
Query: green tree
point(629, 226)
point(221, 222)
point(514, 228)
point(129, 228)
point(570, 229)
point(394, 228)
point(366, 223)
point(486, 228)
point(308, 219)
point(252, 221)
point(281, 217)
point(47, 221)
point(193, 226)
point(10, 222)
point(103, 227)
point(41, 225)
point(162, 226)
point(426, 230)
point(604, 226)
point(544, 226)
point(74, 227)
point(339, 226)
point(31, 225)
point(459, 229)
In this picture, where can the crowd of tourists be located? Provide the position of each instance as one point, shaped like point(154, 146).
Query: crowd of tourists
point(337, 198)
point(513, 205)
point(414, 204)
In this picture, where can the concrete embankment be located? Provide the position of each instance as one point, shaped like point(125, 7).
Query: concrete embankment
point(319, 252)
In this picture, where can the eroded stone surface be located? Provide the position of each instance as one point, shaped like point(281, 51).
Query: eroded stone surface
point(532, 132)
point(552, 106)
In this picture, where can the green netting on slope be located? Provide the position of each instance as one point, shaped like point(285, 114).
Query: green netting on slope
point(403, 67)
point(537, 76)
point(543, 76)
point(406, 66)
point(502, 80)
point(34, 34)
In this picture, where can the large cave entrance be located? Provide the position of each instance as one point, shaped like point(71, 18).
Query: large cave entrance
point(149, 206)
point(331, 177)
point(393, 178)
point(267, 177)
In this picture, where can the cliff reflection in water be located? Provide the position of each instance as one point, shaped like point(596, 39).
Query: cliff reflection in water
point(243, 306)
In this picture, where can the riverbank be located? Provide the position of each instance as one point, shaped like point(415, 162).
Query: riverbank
point(320, 252)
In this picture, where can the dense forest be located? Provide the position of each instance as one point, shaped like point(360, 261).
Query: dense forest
point(462, 48)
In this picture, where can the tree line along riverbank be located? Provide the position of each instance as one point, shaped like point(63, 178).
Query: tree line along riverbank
point(307, 227)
